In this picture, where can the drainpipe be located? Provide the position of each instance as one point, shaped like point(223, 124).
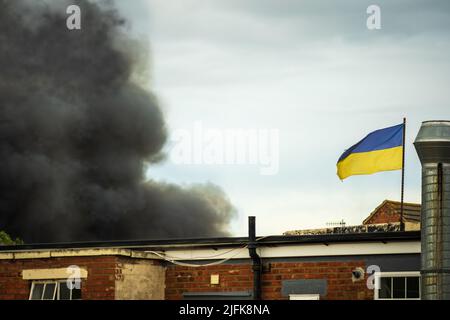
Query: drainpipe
point(256, 260)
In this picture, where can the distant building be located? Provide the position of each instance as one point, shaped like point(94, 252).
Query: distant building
point(334, 263)
point(385, 218)
point(390, 212)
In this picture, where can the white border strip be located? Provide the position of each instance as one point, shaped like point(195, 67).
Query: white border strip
point(303, 250)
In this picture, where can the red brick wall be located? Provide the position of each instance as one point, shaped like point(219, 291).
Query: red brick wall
point(233, 277)
point(386, 214)
point(99, 285)
point(239, 277)
point(104, 270)
point(337, 274)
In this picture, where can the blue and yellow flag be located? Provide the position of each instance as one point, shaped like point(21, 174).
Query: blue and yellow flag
point(381, 150)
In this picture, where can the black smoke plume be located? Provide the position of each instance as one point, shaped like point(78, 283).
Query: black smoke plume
point(77, 133)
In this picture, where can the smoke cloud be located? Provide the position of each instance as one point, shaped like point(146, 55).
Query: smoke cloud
point(77, 134)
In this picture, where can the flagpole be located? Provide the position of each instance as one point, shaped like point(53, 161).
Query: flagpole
point(402, 226)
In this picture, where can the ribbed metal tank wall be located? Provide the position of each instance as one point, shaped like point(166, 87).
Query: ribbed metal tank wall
point(433, 147)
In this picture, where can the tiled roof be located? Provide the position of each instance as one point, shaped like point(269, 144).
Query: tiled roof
point(411, 211)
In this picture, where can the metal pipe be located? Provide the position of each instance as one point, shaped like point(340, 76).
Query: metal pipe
point(433, 148)
point(256, 259)
point(402, 193)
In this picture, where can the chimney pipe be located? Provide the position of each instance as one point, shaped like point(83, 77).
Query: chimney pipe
point(256, 260)
point(433, 148)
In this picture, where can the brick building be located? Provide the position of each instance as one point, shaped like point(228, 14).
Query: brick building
point(331, 264)
point(389, 212)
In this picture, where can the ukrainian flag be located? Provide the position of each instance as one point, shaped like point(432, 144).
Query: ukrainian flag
point(381, 150)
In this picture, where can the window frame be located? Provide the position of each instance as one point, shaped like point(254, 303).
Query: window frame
point(309, 296)
point(71, 290)
point(398, 274)
point(45, 283)
point(56, 292)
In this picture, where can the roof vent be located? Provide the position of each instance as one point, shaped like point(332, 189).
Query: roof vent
point(433, 147)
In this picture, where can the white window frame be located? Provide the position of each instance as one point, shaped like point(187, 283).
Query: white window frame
point(59, 289)
point(304, 296)
point(45, 283)
point(399, 274)
point(56, 293)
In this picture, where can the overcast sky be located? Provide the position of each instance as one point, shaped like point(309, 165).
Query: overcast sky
point(313, 71)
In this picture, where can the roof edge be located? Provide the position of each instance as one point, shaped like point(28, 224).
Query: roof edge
point(222, 242)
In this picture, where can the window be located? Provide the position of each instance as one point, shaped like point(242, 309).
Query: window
point(397, 285)
point(304, 297)
point(227, 295)
point(43, 291)
point(53, 290)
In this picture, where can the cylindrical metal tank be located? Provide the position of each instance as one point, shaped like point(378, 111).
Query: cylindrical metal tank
point(433, 147)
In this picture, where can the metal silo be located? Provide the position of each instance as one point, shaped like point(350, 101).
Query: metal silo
point(433, 147)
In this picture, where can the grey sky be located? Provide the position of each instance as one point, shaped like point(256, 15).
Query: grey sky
point(310, 69)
